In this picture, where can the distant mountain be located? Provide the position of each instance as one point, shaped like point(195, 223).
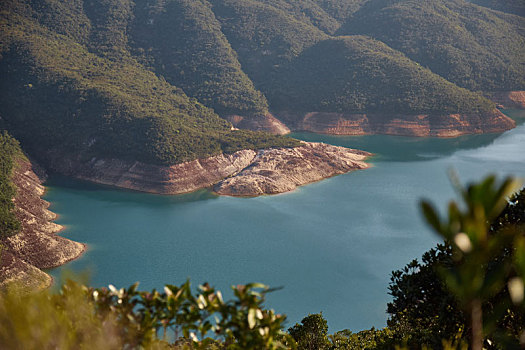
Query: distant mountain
point(149, 80)
point(516, 7)
point(264, 37)
point(352, 79)
point(471, 46)
point(184, 42)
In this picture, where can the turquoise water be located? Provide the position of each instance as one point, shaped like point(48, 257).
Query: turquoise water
point(331, 245)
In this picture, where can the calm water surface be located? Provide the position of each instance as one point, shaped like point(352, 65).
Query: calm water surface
point(331, 245)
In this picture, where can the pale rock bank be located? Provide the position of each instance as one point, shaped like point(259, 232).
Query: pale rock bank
point(175, 179)
point(37, 246)
point(508, 99)
point(423, 125)
point(266, 122)
point(283, 169)
point(270, 171)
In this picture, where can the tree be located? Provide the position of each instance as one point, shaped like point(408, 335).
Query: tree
point(462, 286)
point(312, 333)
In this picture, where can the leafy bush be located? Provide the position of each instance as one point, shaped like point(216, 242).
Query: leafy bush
point(433, 300)
point(82, 317)
point(312, 333)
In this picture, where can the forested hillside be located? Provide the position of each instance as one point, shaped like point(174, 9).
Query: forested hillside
point(149, 79)
point(470, 46)
point(185, 44)
point(72, 85)
point(352, 78)
point(9, 151)
point(516, 7)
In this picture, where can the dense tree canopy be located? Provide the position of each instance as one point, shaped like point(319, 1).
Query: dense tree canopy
point(470, 46)
point(352, 79)
point(57, 95)
point(148, 79)
point(424, 310)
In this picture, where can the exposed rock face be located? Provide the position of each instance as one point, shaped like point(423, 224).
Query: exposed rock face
point(283, 169)
point(291, 167)
point(175, 179)
point(16, 272)
point(415, 125)
point(36, 246)
point(508, 99)
point(259, 123)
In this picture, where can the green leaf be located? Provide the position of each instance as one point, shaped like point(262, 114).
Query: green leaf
point(431, 216)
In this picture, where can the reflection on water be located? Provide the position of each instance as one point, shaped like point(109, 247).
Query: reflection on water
point(92, 190)
point(400, 148)
point(407, 149)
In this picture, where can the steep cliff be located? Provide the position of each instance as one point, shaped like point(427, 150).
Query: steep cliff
point(36, 246)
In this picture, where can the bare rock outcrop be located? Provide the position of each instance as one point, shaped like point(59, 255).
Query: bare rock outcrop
point(175, 179)
point(266, 122)
point(283, 169)
point(446, 125)
point(20, 274)
point(508, 99)
point(36, 246)
point(291, 167)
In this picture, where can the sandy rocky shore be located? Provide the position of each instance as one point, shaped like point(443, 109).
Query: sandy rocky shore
point(37, 246)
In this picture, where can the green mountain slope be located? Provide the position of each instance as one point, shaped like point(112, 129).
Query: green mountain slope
point(353, 78)
point(58, 96)
point(299, 67)
point(307, 11)
point(516, 7)
point(184, 41)
point(468, 45)
point(263, 36)
point(144, 79)
point(9, 152)
point(340, 9)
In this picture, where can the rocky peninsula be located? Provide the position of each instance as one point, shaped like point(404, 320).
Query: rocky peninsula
point(281, 170)
point(243, 173)
point(37, 246)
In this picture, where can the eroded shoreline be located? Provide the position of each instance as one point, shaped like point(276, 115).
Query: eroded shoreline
point(269, 171)
point(37, 246)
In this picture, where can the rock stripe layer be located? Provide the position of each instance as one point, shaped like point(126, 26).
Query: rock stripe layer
point(449, 125)
point(281, 170)
point(36, 246)
point(270, 171)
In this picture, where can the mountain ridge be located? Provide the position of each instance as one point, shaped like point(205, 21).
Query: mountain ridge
point(149, 80)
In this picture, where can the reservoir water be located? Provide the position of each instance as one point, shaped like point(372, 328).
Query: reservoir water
point(331, 245)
